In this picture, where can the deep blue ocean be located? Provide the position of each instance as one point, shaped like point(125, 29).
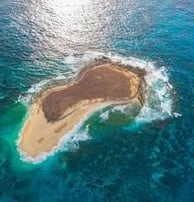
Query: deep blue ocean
point(149, 159)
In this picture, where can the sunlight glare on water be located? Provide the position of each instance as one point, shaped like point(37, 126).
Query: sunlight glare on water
point(74, 26)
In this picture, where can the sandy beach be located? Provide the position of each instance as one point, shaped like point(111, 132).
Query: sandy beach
point(57, 110)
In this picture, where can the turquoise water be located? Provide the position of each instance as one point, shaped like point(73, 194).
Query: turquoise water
point(150, 158)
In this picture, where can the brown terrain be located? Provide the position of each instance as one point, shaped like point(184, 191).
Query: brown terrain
point(57, 110)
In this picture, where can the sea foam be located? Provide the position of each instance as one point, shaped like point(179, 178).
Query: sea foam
point(68, 142)
point(159, 100)
point(158, 105)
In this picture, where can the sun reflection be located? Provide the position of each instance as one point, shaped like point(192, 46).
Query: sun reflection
point(71, 22)
point(65, 26)
point(71, 2)
point(63, 6)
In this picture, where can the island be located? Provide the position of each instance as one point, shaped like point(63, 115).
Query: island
point(56, 110)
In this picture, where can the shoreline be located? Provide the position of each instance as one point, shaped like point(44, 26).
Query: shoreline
point(52, 130)
point(96, 62)
point(66, 137)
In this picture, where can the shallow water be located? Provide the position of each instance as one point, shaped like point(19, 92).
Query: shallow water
point(151, 158)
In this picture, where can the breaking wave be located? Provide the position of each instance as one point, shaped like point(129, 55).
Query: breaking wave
point(158, 104)
point(159, 100)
